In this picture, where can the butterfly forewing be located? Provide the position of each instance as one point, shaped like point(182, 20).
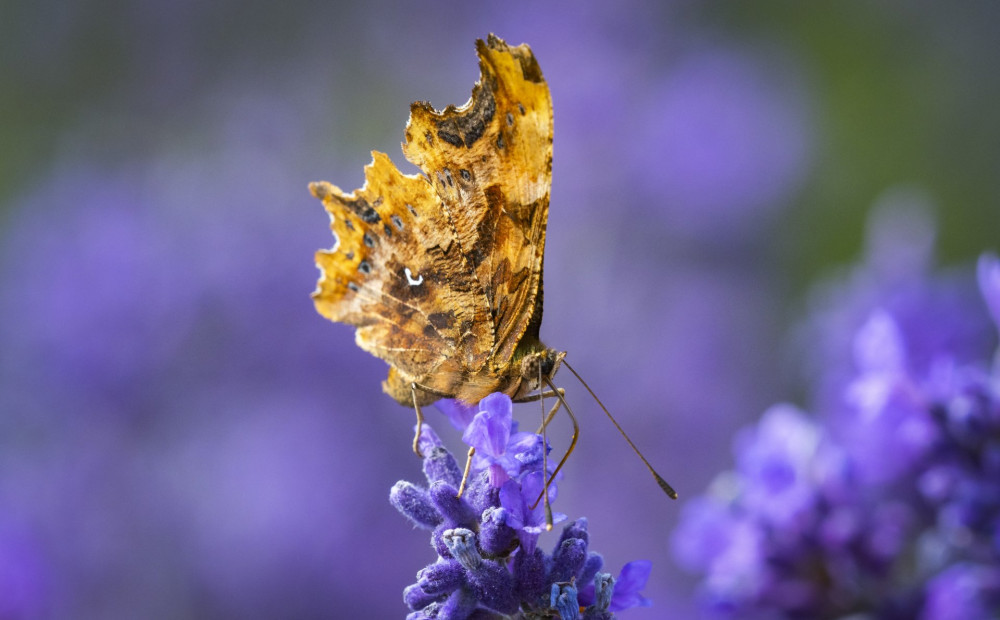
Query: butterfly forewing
point(441, 272)
point(491, 163)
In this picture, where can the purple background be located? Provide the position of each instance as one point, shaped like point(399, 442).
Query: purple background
point(181, 435)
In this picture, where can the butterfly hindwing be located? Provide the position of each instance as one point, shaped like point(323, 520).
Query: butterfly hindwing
point(396, 273)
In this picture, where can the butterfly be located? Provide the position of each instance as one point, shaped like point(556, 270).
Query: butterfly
point(441, 271)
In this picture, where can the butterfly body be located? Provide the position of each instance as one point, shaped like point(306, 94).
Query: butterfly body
point(441, 272)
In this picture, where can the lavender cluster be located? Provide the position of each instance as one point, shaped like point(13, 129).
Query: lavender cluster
point(489, 564)
point(888, 507)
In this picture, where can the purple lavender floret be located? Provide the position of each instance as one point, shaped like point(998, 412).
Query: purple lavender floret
point(489, 565)
point(887, 506)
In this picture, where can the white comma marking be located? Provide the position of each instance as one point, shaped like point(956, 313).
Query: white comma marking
point(410, 279)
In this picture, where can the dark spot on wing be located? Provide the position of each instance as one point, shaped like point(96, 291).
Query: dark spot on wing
point(521, 109)
point(524, 215)
point(447, 176)
point(412, 210)
point(388, 231)
point(369, 240)
point(349, 255)
point(363, 210)
point(517, 280)
point(465, 175)
point(465, 129)
point(364, 267)
point(348, 223)
point(352, 286)
point(530, 69)
point(397, 221)
point(510, 119)
point(501, 275)
point(451, 138)
point(442, 320)
point(500, 143)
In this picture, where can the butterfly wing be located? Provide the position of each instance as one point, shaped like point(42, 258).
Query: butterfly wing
point(490, 162)
point(441, 272)
point(396, 273)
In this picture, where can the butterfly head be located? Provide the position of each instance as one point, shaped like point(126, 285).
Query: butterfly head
point(539, 365)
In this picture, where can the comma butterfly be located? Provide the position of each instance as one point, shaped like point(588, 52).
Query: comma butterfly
point(441, 272)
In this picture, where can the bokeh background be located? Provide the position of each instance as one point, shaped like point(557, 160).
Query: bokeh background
point(181, 435)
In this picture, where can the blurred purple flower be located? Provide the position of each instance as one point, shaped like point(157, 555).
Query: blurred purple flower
point(886, 506)
point(165, 388)
point(965, 591)
point(988, 273)
point(934, 316)
point(774, 461)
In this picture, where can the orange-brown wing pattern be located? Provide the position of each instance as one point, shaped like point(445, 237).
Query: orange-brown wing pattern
point(490, 162)
point(396, 273)
point(441, 272)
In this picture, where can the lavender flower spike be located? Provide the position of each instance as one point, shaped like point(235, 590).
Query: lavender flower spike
point(489, 564)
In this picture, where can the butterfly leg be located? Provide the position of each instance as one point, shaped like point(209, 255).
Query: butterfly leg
point(414, 386)
point(420, 421)
point(465, 474)
point(558, 393)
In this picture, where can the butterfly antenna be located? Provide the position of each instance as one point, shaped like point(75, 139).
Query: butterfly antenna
point(669, 490)
point(572, 445)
